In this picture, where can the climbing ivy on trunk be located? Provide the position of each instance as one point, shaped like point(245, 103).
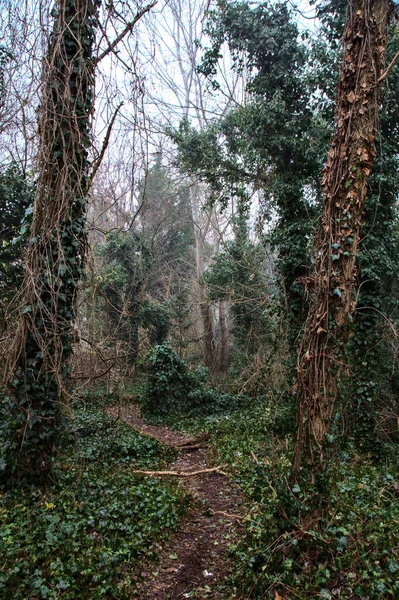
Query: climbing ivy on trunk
point(322, 352)
point(38, 365)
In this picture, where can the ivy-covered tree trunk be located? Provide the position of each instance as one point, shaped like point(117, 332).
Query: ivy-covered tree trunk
point(57, 236)
point(332, 287)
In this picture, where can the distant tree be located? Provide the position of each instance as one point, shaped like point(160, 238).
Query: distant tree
point(237, 274)
point(127, 262)
point(274, 142)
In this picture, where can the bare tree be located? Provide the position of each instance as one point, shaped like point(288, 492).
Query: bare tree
point(178, 91)
point(21, 50)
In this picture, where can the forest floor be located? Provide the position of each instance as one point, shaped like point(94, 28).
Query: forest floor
point(194, 562)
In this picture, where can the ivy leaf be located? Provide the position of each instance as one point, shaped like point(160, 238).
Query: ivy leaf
point(393, 566)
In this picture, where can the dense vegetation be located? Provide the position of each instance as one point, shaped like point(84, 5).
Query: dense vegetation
point(81, 537)
point(238, 284)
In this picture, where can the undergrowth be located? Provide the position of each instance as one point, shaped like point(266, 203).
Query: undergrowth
point(353, 552)
point(172, 389)
point(82, 537)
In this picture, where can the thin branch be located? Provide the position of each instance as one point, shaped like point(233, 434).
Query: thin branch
point(124, 33)
point(389, 69)
point(105, 144)
point(90, 377)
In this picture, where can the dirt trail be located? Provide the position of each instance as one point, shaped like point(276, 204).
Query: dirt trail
point(194, 563)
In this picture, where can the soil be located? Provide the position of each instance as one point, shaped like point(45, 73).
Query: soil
point(194, 562)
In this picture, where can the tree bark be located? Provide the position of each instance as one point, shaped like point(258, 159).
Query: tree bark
point(224, 337)
point(201, 227)
point(321, 354)
point(57, 239)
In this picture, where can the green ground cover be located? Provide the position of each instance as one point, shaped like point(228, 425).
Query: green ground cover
point(352, 552)
point(83, 536)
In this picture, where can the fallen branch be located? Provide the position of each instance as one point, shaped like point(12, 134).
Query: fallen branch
point(228, 515)
point(188, 448)
point(254, 457)
point(182, 473)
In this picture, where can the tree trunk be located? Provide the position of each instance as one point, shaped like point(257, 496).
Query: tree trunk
point(321, 355)
point(56, 248)
point(224, 337)
point(201, 227)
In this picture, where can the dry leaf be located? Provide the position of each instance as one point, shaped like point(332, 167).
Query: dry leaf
point(351, 97)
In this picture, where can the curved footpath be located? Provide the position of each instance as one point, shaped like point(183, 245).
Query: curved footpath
point(193, 563)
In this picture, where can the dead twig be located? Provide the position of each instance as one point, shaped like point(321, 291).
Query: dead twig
point(389, 68)
point(194, 440)
point(99, 160)
point(254, 457)
point(124, 33)
point(228, 515)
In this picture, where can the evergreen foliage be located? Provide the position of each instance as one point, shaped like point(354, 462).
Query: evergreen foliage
point(238, 274)
point(82, 537)
point(172, 389)
point(16, 196)
point(127, 264)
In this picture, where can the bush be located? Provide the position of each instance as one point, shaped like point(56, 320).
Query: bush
point(173, 389)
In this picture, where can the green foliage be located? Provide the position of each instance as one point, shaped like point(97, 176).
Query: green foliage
point(237, 274)
point(124, 277)
point(281, 136)
point(167, 225)
point(16, 195)
point(276, 142)
point(155, 317)
point(171, 386)
point(172, 389)
point(127, 261)
point(82, 537)
point(350, 553)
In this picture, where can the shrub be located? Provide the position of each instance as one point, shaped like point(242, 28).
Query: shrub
point(173, 389)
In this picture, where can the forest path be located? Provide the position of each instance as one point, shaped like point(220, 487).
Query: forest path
point(193, 563)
